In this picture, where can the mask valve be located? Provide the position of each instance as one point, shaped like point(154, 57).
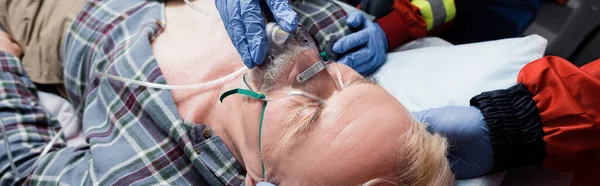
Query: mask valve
point(276, 34)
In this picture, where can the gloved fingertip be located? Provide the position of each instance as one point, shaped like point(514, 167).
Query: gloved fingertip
point(258, 56)
point(258, 61)
point(345, 44)
point(288, 23)
point(337, 47)
point(284, 14)
point(348, 42)
point(355, 19)
point(249, 64)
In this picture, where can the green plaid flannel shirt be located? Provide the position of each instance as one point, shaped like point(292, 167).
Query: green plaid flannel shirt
point(134, 134)
point(324, 19)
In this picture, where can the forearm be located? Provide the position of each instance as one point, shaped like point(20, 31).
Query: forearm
point(405, 20)
point(515, 127)
point(29, 129)
point(550, 118)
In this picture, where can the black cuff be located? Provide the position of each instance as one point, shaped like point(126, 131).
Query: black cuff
point(515, 127)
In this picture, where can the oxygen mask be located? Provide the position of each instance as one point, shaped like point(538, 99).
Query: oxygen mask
point(294, 63)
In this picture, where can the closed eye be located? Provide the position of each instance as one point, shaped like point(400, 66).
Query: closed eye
point(305, 114)
point(302, 122)
point(370, 80)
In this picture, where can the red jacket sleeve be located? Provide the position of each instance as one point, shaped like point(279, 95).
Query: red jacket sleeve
point(568, 101)
point(404, 23)
point(406, 20)
point(551, 117)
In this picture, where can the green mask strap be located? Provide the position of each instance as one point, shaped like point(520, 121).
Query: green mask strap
point(258, 96)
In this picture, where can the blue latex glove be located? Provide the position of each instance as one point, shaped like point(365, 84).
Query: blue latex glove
point(245, 25)
point(470, 152)
point(370, 44)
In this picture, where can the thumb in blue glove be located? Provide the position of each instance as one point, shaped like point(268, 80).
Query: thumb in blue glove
point(470, 152)
point(370, 44)
point(245, 24)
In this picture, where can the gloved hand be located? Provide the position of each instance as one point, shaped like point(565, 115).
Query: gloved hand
point(470, 150)
point(245, 25)
point(370, 44)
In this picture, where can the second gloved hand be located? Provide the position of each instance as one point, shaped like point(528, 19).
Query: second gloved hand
point(470, 149)
point(245, 25)
point(364, 50)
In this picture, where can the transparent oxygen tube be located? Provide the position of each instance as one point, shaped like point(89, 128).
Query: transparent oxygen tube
point(44, 152)
point(279, 42)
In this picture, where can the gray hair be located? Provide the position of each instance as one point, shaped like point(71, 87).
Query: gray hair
point(266, 75)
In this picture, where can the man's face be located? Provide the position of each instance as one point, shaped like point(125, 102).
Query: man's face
point(351, 138)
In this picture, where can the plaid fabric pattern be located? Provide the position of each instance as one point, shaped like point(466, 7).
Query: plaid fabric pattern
point(134, 134)
point(325, 20)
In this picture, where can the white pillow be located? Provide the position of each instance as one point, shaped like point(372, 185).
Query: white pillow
point(451, 75)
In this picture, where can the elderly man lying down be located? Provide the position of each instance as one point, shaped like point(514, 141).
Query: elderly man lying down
point(337, 128)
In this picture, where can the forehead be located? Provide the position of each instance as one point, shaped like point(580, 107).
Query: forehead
point(356, 139)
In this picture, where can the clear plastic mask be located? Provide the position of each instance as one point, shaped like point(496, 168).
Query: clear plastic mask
point(306, 69)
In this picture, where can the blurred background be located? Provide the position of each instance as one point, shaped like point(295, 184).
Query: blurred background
point(571, 27)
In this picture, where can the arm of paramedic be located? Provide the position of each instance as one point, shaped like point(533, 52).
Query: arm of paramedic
point(405, 20)
point(30, 128)
point(245, 25)
point(551, 117)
